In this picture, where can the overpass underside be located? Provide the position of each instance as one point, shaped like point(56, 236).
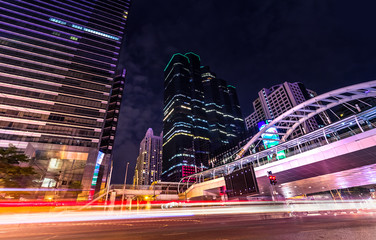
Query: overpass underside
point(342, 164)
point(341, 172)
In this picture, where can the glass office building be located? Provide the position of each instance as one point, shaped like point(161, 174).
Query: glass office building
point(222, 110)
point(57, 64)
point(201, 113)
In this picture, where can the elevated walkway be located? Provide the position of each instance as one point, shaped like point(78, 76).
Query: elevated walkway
point(319, 163)
point(159, 191)
point(210, 189)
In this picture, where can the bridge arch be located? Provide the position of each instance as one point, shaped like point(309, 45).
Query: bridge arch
point(287, 122)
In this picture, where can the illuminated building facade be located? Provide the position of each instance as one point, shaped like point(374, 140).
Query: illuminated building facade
point(270, 138)
point(222, 110)
point(149, 161)
point(278, 99)
point(201, 113)
point(57, 65)
point(186, 141)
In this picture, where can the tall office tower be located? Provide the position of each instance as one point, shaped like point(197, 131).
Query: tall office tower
point(223, 110)
point(186, 141)
point(57, 64)
point(201, 113)
point(149, 161)
point(278, 99)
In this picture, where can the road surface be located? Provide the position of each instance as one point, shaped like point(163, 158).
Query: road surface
point(232, 226)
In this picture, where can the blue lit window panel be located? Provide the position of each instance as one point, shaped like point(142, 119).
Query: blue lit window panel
point(84, 29)
point(58, 21)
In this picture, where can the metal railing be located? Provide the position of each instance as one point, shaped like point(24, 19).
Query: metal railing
point(339, 130)
point(161, 187)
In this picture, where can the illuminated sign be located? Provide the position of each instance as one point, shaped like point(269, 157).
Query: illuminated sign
point(272, 134)
point(97, 166)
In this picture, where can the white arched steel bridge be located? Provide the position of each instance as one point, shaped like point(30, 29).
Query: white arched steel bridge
point(293, 118)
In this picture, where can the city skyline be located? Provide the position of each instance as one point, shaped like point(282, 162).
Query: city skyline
point(246, 55)
point(251, 44)
point(169, 119)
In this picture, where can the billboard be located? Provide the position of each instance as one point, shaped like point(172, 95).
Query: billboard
point(272, 134)
point(241, 183)
point(96, 169)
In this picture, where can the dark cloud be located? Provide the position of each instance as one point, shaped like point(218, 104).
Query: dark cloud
point(251, 44)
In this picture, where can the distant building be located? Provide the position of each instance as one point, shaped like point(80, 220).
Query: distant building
point(274, 101)
point(201, 113)
point(270, 104)
point(149, 161)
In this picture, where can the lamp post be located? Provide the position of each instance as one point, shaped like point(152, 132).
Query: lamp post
point(108, 185)
point(125, 182)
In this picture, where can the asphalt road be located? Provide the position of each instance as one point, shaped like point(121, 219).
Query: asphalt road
point(219, 227)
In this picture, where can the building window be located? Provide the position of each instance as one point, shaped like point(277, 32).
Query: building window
point(48, 182)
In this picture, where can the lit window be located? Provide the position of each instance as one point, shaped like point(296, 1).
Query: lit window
point(48, 182)
point(54, 164)
point(84, 29)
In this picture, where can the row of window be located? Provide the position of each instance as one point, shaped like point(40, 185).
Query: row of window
point(67, 8)
point(56, 62)
point(70, 110)
point(53, 42)
point(54, 10)
point(50, 118)
point(48, 69)
point(78, 94)
point(57, 59)
point(67, 131)
point(39, 96)
point(49, 139)
point(83, 55)
point(26, 27)
point(15, 72)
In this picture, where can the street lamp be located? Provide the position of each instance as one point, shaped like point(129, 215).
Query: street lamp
point(125, 182)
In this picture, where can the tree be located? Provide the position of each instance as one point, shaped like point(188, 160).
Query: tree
point(12, 174)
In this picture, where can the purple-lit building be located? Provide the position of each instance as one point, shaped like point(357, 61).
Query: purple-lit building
point(274, 101)
point(57, 67)
point(149, 161)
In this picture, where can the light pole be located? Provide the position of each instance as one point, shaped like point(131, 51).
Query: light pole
point(125, 183)
point(108, 184)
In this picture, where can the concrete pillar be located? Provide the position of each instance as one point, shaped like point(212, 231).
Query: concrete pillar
point(112, 200)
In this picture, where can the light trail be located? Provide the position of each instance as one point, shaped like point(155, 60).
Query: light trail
point(196, 209)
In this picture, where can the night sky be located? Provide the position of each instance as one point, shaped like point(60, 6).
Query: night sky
point(251, 44)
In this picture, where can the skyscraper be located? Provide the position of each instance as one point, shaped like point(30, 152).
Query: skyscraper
point(201, 113)
point(186, 141)
point(274, 101)
point(57, 64)
point(222, 110)
point(149, 161)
